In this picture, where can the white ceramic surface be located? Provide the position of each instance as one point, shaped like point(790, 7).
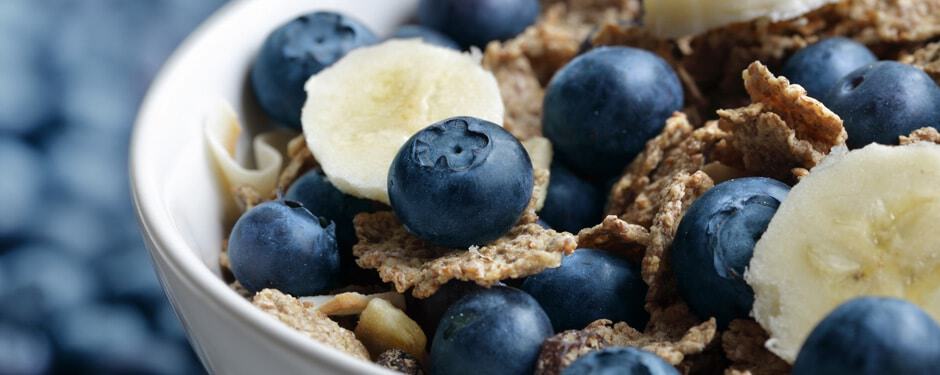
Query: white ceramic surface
point(178, 197)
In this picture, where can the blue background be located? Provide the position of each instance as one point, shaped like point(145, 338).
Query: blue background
point(78, 291)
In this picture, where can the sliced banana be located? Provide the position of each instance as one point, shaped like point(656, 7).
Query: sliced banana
point(363, 108)
point(677, 18)
point(222, 131)
point(861, 223)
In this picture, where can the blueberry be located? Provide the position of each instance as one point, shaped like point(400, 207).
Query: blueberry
point(298, 50)
point(427, 312)
point(819, 66)
point(24, 351)
point(426, 35)
point(314, 191)
point(21, 187)
point(455, 171)
point(491, 331)
point(715, 241)
point(572, 203)
point(590, 285)
point(129, 277)
point(602, 108)
point(478, 22)
point(620, 360)
point(872, 335)
point(75, 227)
point(281, 245)
point(42, 281)
point(99, 338)
point(882, 101)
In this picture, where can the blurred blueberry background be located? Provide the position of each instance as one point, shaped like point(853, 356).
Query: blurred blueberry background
point(79, 294)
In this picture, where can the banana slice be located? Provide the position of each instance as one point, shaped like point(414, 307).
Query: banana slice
point(222, 130)
point(861, 223)
point(363, 108)
point(677, 18)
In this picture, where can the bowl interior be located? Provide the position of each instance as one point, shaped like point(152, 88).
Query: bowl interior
point(170, 154)
point(179, 197)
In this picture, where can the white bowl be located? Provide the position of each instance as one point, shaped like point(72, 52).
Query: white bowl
point(178, 198)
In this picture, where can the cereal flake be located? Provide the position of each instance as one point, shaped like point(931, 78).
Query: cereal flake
point(668, 313)
point(616, 235)
point(303, 318)
point(636, 198)
point(564, 348)
point(408, 262)
point(927, 134)
point(398, 360)
point(300, 160)
point(926, 58)
point(782, 130)
point(743, 344)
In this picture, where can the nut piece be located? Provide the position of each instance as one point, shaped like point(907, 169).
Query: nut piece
point(383, 326)
point(397, 360)
point(351, 303)
point(564, 348)
point(303, 318)
point(408, 262)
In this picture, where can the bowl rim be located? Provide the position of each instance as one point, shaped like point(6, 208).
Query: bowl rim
point(168, 244)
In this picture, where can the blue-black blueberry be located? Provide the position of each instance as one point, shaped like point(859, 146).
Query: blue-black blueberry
point(872, 335)
point(571, 203)
point(281, 245)
point(590, 285)
point(314, 191)
point(296, 51)
point(426, 34)
point(715, 242)
point(460, 182)
point(427, 312)
point(602, 108)
point(622, 360)
point(882, 101)
point(497, 331)
point(478, 22)
point(817, 67)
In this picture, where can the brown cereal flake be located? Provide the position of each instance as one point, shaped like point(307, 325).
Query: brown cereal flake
point(408, 262)
point(303, 318)
point(668, 313)
point(398, 360)
point(540, 180)
point(301, 160)
point(926, 58)
point(636, 198)
point(564, 348)
point(521, 91)
point(743, 344)
point(885, 21)
point(540, 153)
point(927, 134)
point(585, 14)
point(783, 129)
point(246, 197)
point(617, 236)
point(240, 289)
